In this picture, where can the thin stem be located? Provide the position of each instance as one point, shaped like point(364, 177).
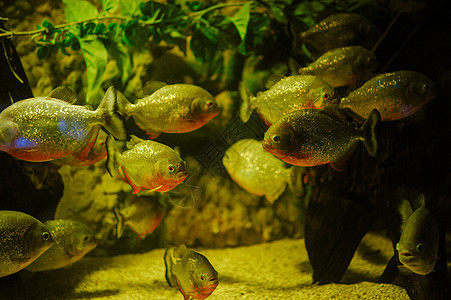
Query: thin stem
point(208, 9)
point(9, 34)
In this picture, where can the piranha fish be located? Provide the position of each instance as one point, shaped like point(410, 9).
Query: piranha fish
point(73, 240)
point(23, 239)
point(176, 108)
point(288, 94)
point(418, 245)
point(342, 66)
point(47, 128)
point(395, 95)
point(190, 272)
point(311, 137)
point(97, 153)
point(339, 30)
point(141, 214)
point(145, 164)
point(259, 172)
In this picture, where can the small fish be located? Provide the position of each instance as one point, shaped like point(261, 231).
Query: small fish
point(190, 272)
point(395, 95)
point(418, 245)
point(176, 108)
point(342, 66)
point(23, 239)
point(97, 153)
point(145, 164)
point(47, 128)
point(73, 240)
point(286, 95)
point(311, 137)
point(259, 172)
point(141, 214)
point(340, 30)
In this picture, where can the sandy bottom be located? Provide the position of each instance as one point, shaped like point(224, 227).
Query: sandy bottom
point(277, 270)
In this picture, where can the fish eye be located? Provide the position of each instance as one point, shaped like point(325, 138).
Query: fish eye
point(276, 138)
point(171, 168)
point(426, 87)
point(326, 96)
point(45, 236)
point(209, 103)
point(202, 277)
point(85, 238)
point(420, 247)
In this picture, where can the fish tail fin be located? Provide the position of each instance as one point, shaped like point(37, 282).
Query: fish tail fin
point(296, 180)
point(246, 107)
point(112, 150)
point(168, 265)
point(120, 222)
point(113, 121)
point(123, 105)
point(370, 134)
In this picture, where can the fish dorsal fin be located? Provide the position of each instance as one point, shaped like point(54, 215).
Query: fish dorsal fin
point(180, 251)
point(273, 79)
point(418, 202)
point(405, 209)
point(64, 93)
point(151, 86)
point(133, 141)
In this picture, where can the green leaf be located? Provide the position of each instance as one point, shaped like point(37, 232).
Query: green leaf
point(203, 45)
point(78, 10)
point(100, 29)
point(278, 13)
point(43, 52)
point(95, 56)
point(129, 8)
point(47, 24)
point(108, 5)
point(119, 52)
point(241, 21)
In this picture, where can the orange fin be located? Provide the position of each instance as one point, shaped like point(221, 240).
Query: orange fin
point(135, 188)
point(83, 154)
point(152, 134)
point(185, 296)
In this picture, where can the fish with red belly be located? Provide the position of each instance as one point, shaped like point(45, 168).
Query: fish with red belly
point(47, 128)
point(190, 272)
point(176, 108)
point(311, 137)
point(145, 164)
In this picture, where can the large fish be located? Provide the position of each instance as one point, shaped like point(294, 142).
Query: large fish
point(176, 108)
point(145, 164)
point(311, 137)
point(141, 214)
point(286, 95)
point(73, 240)
point(395, 95)
point(259, 172)
point(419, 241)
point(22, 240)
point(340, 30)
point(48, 128)
point(190, 272)
point(342, 66)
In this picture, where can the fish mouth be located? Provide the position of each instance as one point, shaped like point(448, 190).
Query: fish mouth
point(182, 173)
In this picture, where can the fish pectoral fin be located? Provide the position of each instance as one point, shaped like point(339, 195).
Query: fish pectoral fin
point(152, 134)
point(84, 153)
point(135, 188)
point(64, 93)
point(185, 296)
